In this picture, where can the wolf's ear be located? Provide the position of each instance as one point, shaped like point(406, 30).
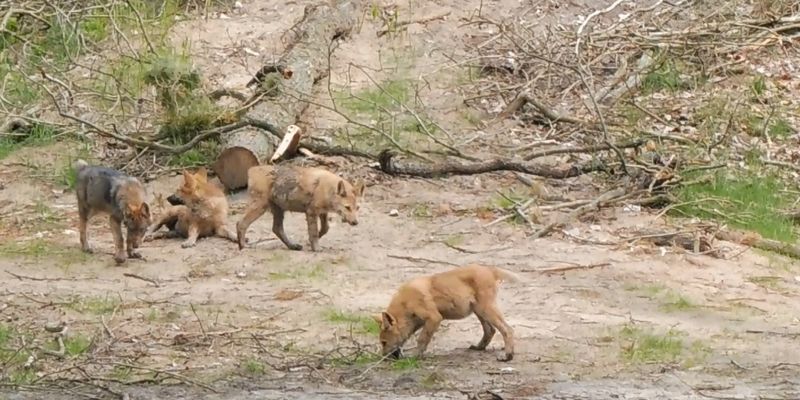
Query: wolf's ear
point(145, 210)
point(202, 174)
point(341, 190)
point(187, 177)
point(387, 320)
point(378, 318)
point(359, 188)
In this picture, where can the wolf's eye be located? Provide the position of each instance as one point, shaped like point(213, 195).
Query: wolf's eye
point(348, 208)
point(383, 343)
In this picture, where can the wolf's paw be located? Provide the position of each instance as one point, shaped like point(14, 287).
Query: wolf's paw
point(187, 244)
point(477, 348)
point(295, 246)
point(134, 254)
point(505, 357)
point(88, 250)
point(120, 258)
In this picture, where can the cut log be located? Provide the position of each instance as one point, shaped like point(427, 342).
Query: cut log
point(241, 150)
point(307, 59)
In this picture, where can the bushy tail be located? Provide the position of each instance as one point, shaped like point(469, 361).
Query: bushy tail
point(506, 275)
point(80, 164)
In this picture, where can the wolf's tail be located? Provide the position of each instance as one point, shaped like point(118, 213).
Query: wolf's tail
point(80, 164)
point(506, 275)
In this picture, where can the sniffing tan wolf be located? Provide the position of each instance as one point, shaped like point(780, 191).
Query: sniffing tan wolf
point(425, 301)
point(313, 191)
point(102, 190)
point(199, 209)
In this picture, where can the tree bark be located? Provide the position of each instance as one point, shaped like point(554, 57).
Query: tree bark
point(307, 59)
point(393, 167)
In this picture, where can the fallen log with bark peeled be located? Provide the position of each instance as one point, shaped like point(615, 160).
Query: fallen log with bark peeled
point(307, 59)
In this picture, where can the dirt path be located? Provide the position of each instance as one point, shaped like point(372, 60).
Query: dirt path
point(644, 322)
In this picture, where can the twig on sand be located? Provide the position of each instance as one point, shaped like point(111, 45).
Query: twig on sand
point(142, 278)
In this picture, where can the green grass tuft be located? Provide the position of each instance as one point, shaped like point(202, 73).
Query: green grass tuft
point(405, 364)
point(95, 305)
point(647, 347)
point(746, 202)
point(360, 323)
point(39, 135)
point(252, 366)
point(41, 248)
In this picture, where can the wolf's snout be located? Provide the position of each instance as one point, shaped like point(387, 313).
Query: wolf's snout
point(354, 223)
point(396, 354)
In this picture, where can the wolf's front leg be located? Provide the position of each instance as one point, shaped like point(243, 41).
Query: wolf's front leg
point(431, 325)
point(119, 246)
point(313, 231)
point(277, 229)
point(192, 234)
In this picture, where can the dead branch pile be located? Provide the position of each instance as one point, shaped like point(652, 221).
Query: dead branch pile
point(579, 87)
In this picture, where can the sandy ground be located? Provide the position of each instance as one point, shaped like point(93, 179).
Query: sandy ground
point(216, 307)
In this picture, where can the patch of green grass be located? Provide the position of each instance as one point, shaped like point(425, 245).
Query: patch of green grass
point(12, 360)
point(358, 360)
point(433, 380)
point(121, 372)
point(667, 77)
point(375, 100)
point(152, 316)
point(359, 323)
point(632, 114)
point(22, 376)
point(647, 347)
point(767, 282)
point(201, 155)
point(41, 248)
point(454, 240)
point(95, 305)
point(313, 272)
point(780, 128)
point(405, 364)
point(5, 335)
point(39, 135)
point(676, 302)
point(421, 210)
point(759, 85)
point(670, 300)
point(76, 344)
point(748, 202)
point(252, 366)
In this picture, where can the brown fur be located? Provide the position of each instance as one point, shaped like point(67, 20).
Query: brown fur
point(101, 190)
point(425, 301)
point(204, 212)
point(313, 191)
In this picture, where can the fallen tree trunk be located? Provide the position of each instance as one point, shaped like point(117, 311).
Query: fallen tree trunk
point(307, 59)
point(753, 239)
point(392, 167)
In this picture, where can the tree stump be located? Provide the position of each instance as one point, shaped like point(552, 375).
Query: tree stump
point(307, 59)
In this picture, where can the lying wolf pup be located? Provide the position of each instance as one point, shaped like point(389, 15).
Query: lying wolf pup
point(425, 301)
point(102, 190)
point(199, 209)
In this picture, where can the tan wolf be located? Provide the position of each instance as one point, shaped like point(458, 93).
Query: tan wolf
point(424, 302)
point(199, 209)
point(313, 191)
point(102, 190)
